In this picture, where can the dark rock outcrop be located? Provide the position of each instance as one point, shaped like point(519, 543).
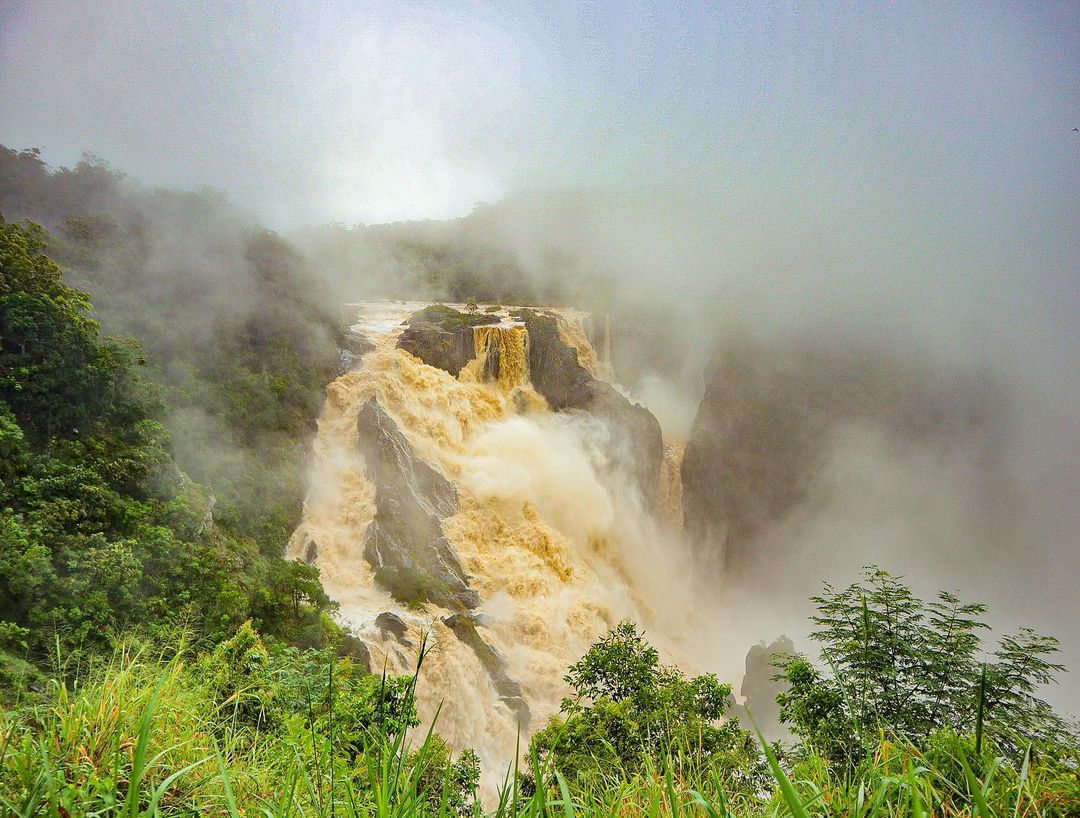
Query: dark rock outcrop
point(636, 444)
point(748, 456)
point(445, 349)
point(392, 624)
point(405, 543)
point(442, 337)
point(493, 662)
point(759, 689)
point(356, 650)
point(553, 366)
point(356, 342)
point(354, 346)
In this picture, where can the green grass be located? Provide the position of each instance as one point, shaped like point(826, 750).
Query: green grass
point(144, 737)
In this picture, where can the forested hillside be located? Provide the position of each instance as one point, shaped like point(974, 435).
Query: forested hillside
point(101, 532)
point(237, 336)
point(155, 421)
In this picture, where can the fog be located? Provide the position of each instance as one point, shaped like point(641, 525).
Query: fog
point(863, 179)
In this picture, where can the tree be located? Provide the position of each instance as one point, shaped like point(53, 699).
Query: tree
point(628, 710)
point(56, 374)
point(910, 668)
point(100, 531)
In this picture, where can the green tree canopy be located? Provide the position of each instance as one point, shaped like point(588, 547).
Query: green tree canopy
point(629, 710)
point(910, 668)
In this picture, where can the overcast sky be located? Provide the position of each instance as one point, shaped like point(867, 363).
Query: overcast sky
point(368, 112)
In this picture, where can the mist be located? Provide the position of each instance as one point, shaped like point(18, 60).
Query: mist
point(900, 183)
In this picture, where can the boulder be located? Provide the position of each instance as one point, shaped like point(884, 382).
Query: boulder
point(405, 543)
point(356, 650)
point(356, 342)
point(391, 623)
point(354, 345)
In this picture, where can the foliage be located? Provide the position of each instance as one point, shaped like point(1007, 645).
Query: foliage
point(448, 318)
point(911, 669)
point(630, 712)
point(239, 339)
point(245, 724)
point(150, 735)
point(100, 531)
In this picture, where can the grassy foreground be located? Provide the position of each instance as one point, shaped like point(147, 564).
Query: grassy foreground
point(147, 735)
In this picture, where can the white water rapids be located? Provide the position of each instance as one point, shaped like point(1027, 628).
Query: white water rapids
point(558, 548)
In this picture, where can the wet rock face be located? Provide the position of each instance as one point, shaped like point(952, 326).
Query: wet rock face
point(446, 349)
point(356, 650)
point(759, 689)
point(393, 626)
point(354, 346)
point(357, 343)
point(405, 543)
point(493, 662)
point(442, 337)
point(747, 457)
point(553, 366)
point(766, 426)
point(636, 444)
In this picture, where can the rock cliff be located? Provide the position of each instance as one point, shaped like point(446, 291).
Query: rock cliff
point(405, 543)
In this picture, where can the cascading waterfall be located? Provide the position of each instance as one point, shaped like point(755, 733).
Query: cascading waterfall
point(502, 356)
point(557, 547)
point(671, 483)
point(573, 334)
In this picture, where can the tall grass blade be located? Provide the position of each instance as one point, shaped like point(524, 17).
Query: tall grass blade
point(230, 797)
point(142, 747)
point(981, 712)
point(787, 789)
point(974, 787)
point(567, 801)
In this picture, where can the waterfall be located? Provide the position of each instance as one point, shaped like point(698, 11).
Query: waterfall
point(671, 484)
point(556, 547)
point(573, 334)
point(502, 355)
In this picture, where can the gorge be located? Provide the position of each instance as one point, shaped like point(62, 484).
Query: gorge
point(481, 486)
